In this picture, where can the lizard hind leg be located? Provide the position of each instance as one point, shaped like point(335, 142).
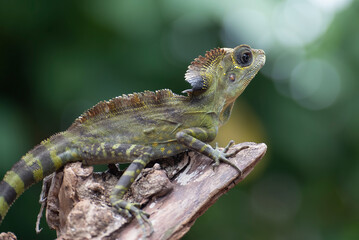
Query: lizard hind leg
point(123, 184)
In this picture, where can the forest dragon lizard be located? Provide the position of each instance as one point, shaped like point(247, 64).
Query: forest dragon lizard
point(141, 127)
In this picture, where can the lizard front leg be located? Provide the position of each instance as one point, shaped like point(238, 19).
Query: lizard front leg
point(195, 138)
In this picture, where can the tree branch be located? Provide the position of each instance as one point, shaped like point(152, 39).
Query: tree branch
point(174, 192)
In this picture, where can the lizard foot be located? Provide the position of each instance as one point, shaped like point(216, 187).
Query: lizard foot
point(222, 156)
point(132, 209)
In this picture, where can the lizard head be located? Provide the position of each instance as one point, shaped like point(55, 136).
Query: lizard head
point(237, 68)
point(224, 70)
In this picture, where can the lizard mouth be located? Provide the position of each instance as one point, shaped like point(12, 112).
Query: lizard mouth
point(260, 61)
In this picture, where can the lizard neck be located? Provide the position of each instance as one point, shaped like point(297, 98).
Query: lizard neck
point(225, 112)
point(213, 104)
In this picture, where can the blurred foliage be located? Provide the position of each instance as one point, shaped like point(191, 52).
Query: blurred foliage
point(59, 58)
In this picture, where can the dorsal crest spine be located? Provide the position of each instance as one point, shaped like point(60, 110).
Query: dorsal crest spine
point(197, 73)
point(126, 102)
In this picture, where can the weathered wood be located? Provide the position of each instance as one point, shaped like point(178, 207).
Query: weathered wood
point(175, 193)
point(7, 236)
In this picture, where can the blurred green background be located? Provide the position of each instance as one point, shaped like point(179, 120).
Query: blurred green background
point(59, 58)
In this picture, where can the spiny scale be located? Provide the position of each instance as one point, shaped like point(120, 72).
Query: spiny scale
point(126, 102)
point(195, 74)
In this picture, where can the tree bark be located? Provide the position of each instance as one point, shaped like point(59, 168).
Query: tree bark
point(174, 191)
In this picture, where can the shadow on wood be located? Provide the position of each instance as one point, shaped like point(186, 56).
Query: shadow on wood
point(174, 191)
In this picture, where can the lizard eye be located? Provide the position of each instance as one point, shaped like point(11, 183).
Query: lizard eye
point(244, 56)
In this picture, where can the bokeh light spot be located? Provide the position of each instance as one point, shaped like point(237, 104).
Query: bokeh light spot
point(331, 5)
point(283, 67)
point(249, 26)
point(299, 23)
point(315, 84)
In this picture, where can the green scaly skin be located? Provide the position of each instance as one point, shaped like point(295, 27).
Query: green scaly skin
point(142, 127)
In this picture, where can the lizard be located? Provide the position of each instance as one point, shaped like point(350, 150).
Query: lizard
point(140, 127)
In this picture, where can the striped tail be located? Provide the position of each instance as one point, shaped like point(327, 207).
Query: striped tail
point(41, 161)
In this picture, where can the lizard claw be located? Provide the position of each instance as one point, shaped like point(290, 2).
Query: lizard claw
point(215, 165)
point(143, 219)
point(236, 151)
point(228, 146)
point(132, 209)
point(222, 156)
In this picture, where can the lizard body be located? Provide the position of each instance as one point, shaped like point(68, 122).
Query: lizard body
point(141, 127)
